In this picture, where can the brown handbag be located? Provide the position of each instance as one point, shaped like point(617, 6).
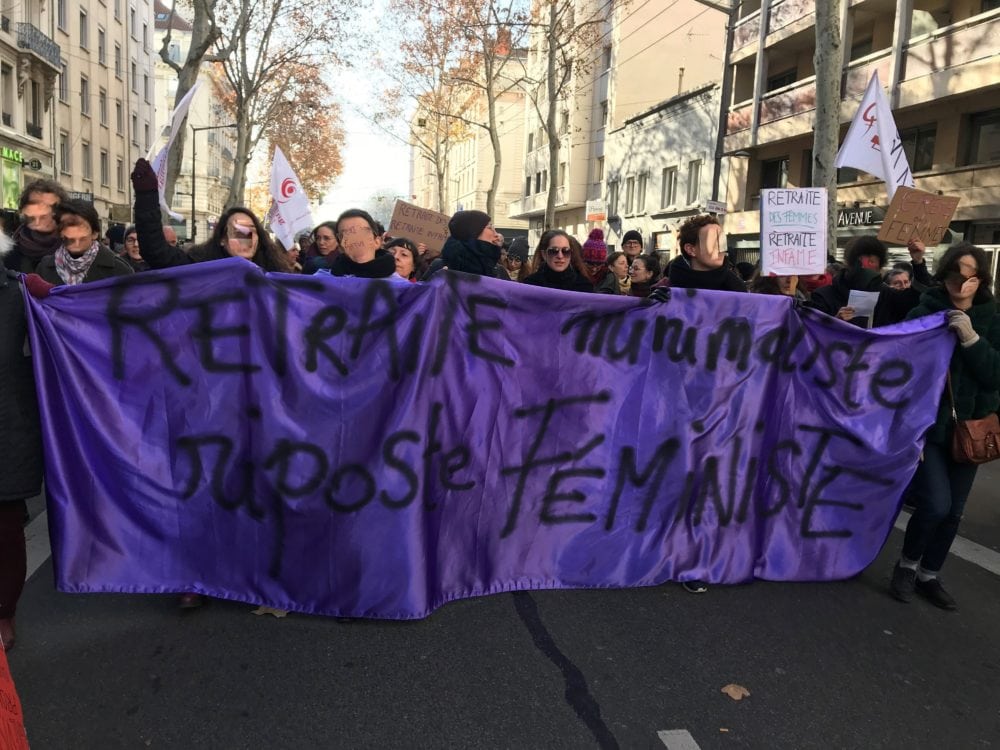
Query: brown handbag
point(974, 441)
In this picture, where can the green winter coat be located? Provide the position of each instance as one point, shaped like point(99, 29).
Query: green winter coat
point(975, 370)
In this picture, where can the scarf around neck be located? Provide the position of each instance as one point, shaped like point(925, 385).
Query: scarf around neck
point(72, 270)
point(35, 245)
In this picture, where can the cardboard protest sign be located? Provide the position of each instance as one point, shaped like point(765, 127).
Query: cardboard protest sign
point(914, 214)
point(12, 735)
point(419, 225)
point(793, 231)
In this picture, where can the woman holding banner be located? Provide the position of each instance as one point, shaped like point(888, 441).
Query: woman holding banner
point(237, 234)
point(942, 484)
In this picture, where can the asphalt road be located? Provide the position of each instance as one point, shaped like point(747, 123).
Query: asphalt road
point(835, 665)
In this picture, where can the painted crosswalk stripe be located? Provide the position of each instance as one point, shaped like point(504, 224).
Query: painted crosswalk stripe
point(964, 548)
point(36, 538)
point(677, 739)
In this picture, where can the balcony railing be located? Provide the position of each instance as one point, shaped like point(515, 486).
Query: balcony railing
point(857, 74)
point(8, 119)
point(960, 44)
point(747, 30)
point(4, 24)
point(786, 12)
point(31, 38)
point(798, 98)
point(35, 131)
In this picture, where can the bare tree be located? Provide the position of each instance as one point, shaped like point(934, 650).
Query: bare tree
point(564, 31)
point(209, 43)
point(278, 46)
point(828, 61)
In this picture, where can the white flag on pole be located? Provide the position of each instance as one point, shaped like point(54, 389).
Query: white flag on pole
point(159, 163)
point(290, 211)
point(872, 143)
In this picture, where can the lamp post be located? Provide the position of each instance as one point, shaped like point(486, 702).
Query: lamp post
point(194, 150)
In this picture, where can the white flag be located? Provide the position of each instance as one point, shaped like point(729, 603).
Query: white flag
point(290, 213)
point(872, 143)
point(159, 163)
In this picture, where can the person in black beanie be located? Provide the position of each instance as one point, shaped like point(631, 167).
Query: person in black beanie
point(471, 246)
point(632, 245)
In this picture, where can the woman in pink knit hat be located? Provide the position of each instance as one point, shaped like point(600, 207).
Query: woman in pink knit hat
point(595, 255)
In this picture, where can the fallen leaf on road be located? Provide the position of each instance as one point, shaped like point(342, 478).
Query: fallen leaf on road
point(270, 611)
point(736, 692)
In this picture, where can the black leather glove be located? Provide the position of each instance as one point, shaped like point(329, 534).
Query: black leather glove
point(660, 294)
point(144, 178)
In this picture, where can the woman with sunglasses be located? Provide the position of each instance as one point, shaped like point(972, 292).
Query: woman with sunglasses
point(238, 233)
point(941, 484)
point(559, 264)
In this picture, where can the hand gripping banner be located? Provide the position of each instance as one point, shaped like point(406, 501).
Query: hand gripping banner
point(376, 449)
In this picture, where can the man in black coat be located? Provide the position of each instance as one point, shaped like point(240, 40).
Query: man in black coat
point(702, 263)
point(20, 437)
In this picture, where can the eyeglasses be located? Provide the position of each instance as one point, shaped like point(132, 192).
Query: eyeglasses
point(552, 252)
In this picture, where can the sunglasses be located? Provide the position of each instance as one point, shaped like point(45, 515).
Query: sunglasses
point(553, 252)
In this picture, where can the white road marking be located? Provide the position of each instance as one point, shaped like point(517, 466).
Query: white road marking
point(964, 548)
point(677, 739)
point(36, 537)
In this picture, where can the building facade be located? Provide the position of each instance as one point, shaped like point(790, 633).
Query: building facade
point(104, 103)
point(940, 64)
point(30, 64)
point(644, 55)
point(659, 167)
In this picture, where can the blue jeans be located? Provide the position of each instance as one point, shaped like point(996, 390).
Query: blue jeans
point(941, 487)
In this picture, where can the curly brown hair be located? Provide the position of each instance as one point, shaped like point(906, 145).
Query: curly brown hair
point(688, 233)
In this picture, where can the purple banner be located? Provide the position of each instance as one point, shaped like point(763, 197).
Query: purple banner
point(376, 449)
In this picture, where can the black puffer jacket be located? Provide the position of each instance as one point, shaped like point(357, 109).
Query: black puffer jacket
point(20, 427)
point(975, 370)
point(382, 266)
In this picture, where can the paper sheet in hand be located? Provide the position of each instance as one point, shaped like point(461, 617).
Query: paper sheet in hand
point(863, 303)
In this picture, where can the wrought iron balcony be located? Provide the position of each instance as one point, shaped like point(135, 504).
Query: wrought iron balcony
point(35, 131)
point(8, 119)
point(32, 39)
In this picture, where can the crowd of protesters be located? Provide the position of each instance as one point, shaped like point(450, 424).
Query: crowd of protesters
point(58, 241)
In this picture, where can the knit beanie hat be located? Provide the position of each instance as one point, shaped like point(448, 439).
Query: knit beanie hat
point(468, 225)
point(594, 249)
point(518, 249)
point(632, 234)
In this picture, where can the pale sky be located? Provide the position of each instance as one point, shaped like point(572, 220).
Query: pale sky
point(373, 161)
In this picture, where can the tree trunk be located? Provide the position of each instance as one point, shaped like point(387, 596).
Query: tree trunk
point(243, 152)
point(827, 61)
point(491, 194)
point(550, 118)
point(186, 79)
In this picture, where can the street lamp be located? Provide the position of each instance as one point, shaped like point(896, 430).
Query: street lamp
point(194, 149)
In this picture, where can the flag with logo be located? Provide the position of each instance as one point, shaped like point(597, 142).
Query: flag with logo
point(159, 163)
point(290, 213)
point(873, 144)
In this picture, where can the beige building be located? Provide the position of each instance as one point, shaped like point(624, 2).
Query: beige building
point(30, 63)
point(940, 63)
point(103, 118)
point(646, 54)
point(209, 147)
